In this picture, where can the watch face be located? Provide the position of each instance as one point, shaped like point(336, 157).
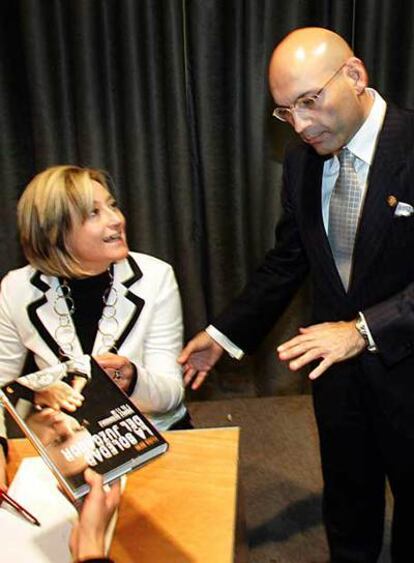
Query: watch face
point(360, 326)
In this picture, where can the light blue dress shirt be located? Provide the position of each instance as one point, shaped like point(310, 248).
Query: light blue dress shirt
point(362, 146)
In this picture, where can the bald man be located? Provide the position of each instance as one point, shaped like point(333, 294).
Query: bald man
point(361, 344)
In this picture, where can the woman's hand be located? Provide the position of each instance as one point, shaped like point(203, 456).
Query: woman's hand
point(59, 395)
point(118, 367)
point(78, 383)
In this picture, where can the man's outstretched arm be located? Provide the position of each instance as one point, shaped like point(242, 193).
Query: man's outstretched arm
point(198, 357)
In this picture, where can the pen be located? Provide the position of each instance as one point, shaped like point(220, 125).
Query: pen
point(18, 507)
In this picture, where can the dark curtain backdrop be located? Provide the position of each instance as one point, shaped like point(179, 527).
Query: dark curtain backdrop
point(171, 98)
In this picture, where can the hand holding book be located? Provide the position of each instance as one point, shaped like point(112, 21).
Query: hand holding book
point(87, 539)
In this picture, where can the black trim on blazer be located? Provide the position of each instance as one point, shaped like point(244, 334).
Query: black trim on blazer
point(136, 272)
point(34, 318)
point(137, 301)
point(47, 337)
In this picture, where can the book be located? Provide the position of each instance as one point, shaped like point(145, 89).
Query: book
point(107, 432)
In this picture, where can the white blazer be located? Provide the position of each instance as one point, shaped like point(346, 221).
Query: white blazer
point(149, 334)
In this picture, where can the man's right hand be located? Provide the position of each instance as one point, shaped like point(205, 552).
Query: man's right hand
point(198, 357)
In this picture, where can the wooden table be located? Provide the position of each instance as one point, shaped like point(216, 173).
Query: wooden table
point(182, 507)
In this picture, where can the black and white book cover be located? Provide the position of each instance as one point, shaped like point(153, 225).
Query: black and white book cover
point(107, 432)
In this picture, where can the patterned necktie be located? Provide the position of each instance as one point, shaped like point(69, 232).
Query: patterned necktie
point(344, 210)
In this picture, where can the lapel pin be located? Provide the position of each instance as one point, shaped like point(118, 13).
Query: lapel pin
point(392, 200)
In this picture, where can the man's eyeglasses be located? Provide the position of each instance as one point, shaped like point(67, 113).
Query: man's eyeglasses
point(303, 103)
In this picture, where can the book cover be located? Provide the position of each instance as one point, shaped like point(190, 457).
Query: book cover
point(107, 432)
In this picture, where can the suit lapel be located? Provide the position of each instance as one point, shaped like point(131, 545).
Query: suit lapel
point(43, 315)
point(318, 243)
point(386, 179)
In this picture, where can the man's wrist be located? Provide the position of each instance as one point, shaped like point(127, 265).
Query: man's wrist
point(363, 329)
point(221, 339)
point(360, 326)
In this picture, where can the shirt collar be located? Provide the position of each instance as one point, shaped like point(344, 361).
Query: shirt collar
point(363, 143)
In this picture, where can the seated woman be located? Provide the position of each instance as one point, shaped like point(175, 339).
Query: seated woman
point(83, 292)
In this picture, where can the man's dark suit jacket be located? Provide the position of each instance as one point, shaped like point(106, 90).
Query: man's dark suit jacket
point(382, 282)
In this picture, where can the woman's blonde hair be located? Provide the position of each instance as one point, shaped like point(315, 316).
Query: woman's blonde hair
point(46, 212)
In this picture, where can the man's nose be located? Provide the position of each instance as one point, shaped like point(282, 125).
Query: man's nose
point(300, 122)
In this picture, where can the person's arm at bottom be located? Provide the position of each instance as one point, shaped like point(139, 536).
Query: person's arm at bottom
point(87, 541)
point(3, 462)
point(3, 449)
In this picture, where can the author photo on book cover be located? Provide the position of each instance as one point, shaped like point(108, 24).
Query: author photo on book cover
point(67, 442)
point(84, 292)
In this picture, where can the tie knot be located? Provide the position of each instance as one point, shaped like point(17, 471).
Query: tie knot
point(346, 157)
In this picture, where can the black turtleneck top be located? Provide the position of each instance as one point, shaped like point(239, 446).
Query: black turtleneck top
point(88, 299)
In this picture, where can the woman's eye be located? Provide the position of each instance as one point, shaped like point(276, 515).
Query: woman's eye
point(113, 204)
point(94, 212)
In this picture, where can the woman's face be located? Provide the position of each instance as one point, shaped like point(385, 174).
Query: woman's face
point(100, 239)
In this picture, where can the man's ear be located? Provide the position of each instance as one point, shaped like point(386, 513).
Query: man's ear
point(356, 71)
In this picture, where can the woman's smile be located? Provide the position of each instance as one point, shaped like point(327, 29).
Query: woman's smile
point(100, 239)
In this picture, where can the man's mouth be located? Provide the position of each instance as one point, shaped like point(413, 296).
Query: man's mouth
point(314, 139)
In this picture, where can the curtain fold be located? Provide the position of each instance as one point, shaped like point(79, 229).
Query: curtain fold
point(101, 83)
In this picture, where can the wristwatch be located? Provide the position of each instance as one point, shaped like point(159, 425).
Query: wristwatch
point(361, 327)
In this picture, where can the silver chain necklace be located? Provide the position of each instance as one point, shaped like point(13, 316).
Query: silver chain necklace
point(64, 307)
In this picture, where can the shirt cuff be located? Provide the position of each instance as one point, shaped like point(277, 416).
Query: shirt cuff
point(372, 347)
point(231, 348)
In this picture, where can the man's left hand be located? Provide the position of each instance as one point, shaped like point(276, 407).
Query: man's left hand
point(329, 342)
